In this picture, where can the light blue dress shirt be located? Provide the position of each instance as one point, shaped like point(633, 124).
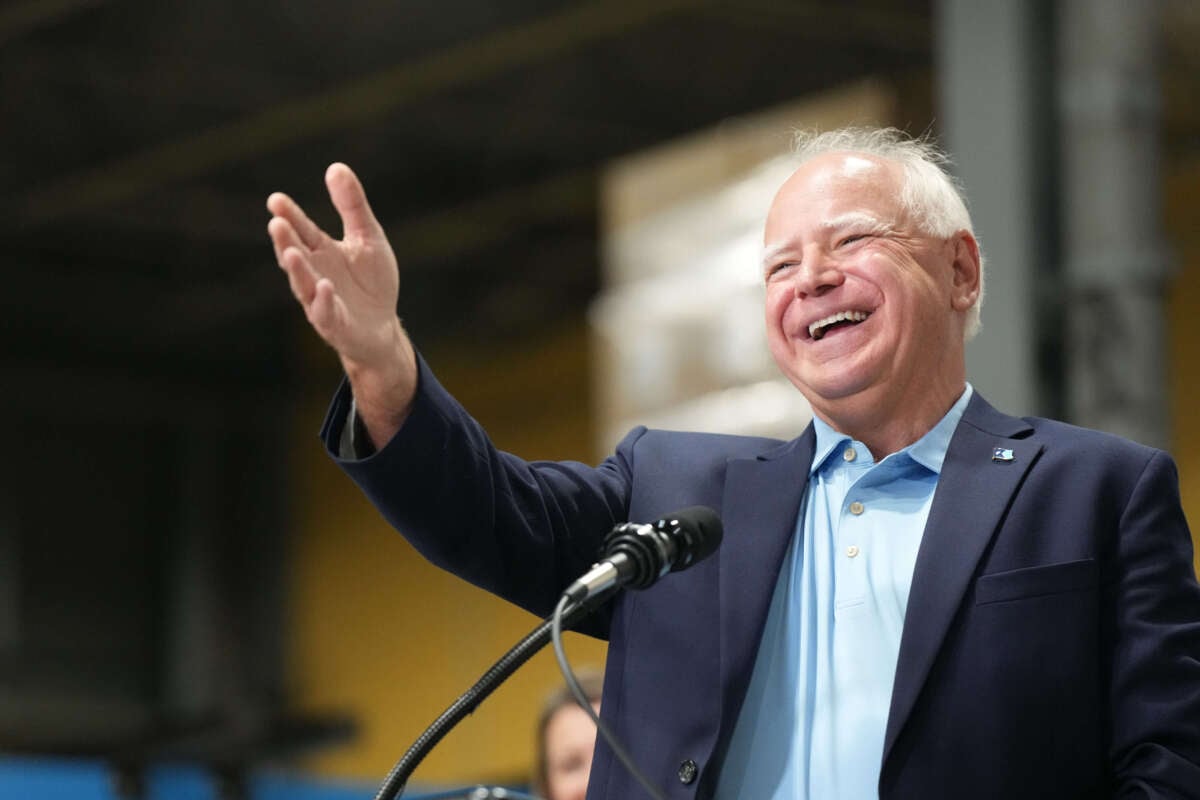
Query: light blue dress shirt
point(813, 722)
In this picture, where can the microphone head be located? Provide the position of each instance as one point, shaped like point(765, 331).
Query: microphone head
point(642, 554)
point(697, 531)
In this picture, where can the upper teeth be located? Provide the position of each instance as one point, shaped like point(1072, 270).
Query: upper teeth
point(817, 329)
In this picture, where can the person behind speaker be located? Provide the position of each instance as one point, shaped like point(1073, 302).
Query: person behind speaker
point(566, 737)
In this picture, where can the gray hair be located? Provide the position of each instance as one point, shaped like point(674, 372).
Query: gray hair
point(931, 196)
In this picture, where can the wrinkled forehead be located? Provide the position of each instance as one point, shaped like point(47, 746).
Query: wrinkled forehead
point(838, 184)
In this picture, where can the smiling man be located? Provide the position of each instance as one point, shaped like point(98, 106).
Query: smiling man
point(868, 303)
point(917, 597)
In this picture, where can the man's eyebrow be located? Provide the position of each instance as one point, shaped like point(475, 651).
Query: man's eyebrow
point(772, 251)
point(869, 222)
point(856, 218)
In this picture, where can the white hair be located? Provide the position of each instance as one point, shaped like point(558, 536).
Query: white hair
point(930, 196)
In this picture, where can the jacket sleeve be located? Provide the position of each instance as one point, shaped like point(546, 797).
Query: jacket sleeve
point(521, 530)
point(1155, 686)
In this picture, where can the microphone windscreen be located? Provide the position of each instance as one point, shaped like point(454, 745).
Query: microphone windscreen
point(699, 527)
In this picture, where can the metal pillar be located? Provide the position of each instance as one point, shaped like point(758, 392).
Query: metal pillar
point(1115, 259)
point(993, 103)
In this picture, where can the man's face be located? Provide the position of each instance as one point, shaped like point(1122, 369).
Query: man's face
point(861, 306)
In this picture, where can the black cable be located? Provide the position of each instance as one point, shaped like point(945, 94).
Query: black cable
point(556, 627)
point(394, 783)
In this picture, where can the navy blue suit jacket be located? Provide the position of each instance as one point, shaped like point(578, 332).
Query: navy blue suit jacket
point(1051, 645)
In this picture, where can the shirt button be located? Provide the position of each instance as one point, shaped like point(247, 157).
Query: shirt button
point(852, 551)
point(856, 508)
point(849, 454)
point(687, 771)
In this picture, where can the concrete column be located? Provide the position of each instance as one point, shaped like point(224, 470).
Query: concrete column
point(993, 95)
point(1115, 259)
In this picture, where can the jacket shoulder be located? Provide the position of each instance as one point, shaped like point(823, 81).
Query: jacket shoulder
point(1090, 443)
point(690, 444)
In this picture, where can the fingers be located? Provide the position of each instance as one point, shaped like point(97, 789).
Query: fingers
point(302, 278)
point(316, 295)
point(350, 200)
point(292, 256)
point(284, 207)
point(283, 236)
point(322, 312)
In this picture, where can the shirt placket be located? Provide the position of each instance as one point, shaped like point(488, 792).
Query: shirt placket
point(851, 540)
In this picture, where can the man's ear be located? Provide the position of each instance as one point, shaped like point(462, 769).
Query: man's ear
point(967, 271)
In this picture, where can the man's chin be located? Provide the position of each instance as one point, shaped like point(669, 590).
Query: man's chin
point(832, 386)
point(841, 402)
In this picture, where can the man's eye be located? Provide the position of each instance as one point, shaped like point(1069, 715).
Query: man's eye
point(852, 238)
point(776, 269)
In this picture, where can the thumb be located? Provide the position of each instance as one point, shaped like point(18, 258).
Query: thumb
point(350, 200)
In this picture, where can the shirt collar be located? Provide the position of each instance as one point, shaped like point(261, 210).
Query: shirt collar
point(929, 451)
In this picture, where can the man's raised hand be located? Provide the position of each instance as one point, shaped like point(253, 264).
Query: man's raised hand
point(348, 289)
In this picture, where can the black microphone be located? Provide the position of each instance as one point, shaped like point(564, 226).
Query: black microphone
point(638, 555)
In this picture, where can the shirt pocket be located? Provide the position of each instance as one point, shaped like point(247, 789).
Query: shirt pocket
point(1050, 579)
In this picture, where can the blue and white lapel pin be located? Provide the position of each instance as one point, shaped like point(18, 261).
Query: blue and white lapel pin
point(1002, 454)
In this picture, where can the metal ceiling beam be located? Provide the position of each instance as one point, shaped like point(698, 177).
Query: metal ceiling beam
point(349, 105)
point(905, 29)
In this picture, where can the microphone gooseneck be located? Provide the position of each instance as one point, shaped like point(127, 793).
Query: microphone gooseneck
point(393, 785)
point(639, 555)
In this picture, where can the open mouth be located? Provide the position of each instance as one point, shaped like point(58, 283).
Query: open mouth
point(842, 319)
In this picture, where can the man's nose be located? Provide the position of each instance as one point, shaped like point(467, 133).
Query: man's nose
point(817, 275)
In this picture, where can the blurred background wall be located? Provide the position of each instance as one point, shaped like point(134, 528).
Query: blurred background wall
point(185, 577)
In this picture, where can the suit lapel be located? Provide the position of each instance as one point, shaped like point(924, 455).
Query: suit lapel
point(760, 503)
point(975, 489)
